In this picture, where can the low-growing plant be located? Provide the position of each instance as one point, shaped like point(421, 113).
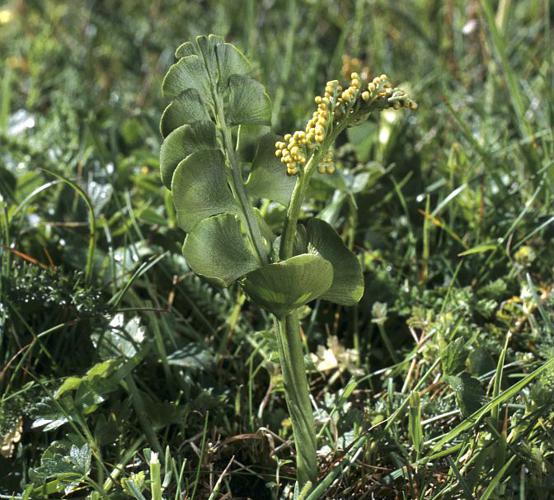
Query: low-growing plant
point(217, 106)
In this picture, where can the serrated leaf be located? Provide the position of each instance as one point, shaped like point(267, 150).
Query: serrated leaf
point(218, 250)
point(49, 416)
point(200, 188)
point(453, 355)
point(187, 107)
point(247, 102)
point(268, 178)
point(348, 281)
point(187, 73)
point(287, 285)
point(55, 463)
point(80, 458)
point(62, 463)
point(183, 142)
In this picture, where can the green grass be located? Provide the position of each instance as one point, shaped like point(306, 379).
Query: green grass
point(439, 384)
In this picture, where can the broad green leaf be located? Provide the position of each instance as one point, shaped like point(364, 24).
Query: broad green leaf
point(247, 102)
point(199, 188)
point(48, 415)
point(268, 178)
point(287, 285)
point(348, 281)
point(207, 51)
point(221, 59)
point(470, 395)
point(103, 369)
point(69, 384)
point(185, 49)
point(187, 107)
point(187, 73)
point(480, 362)
point(181, 143)
point(123, 337)
point(249, 137)
point(230, 61)
point(267, 233)
point(218, 250)
point(100, 370)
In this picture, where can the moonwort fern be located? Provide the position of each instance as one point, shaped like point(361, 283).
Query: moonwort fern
point(214, 97)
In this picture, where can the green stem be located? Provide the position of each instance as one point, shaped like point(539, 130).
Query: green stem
point(299, 191)
point(155, 478)
point(297, 394)
point(293, 211)
point(291, 352)
point(238, 186)
point(120, 467)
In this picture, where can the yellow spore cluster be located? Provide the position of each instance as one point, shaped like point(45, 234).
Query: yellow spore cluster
point(353, 64)
point(327, 163)
point(381, 88)
point(293, 150)
point(336, 104)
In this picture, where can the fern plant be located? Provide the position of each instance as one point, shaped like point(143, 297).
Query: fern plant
point(214, 98)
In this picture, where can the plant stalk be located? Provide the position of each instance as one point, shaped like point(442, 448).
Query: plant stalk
point(293, 211)
point(291, 352)
point(297, 394)
point(298, 193)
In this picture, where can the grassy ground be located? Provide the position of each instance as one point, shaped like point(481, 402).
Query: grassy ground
point(440, 384)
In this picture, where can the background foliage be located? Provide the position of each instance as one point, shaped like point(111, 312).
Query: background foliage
point(110, 349)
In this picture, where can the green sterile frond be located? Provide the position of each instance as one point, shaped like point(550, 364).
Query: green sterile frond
point(200, 188)
point(217, 249)
point(212, 93)
point(348, 281)
point(287, 285)
point(182, 142)
point(188, 107)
